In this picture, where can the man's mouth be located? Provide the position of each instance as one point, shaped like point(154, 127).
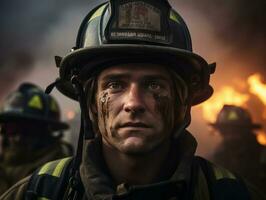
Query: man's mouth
point(134, 125)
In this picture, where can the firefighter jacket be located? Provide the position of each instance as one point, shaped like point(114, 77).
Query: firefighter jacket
point(19, 166)
point(193, 178)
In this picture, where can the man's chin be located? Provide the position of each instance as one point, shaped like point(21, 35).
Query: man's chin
point(134, 145)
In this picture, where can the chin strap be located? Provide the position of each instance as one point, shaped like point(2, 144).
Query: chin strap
point(74, 189)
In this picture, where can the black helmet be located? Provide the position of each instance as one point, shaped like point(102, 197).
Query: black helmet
point(135, 31)
point(30, 103)
point(234, 117)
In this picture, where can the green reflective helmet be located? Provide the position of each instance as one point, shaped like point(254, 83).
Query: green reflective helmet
point(30, 103)
point(131, 31)
point(234, 117)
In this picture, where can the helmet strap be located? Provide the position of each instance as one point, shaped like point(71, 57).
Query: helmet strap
point(85, 132)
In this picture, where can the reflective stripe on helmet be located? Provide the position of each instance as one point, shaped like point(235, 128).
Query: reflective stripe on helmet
point(36, 102)
point(98, 12)
point(174, 16)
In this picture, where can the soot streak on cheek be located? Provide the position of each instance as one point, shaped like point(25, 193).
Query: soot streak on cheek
point(104, 112)
point(163, 106)
point(103, 105)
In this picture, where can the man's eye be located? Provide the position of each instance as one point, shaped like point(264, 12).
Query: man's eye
point(115, 86)
point(154, 86)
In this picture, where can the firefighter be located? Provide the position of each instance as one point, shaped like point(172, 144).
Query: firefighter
point(136, 78)
point(240, 152)
point(32, 131)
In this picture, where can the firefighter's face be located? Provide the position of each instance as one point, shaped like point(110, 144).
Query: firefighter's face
point(135, 107)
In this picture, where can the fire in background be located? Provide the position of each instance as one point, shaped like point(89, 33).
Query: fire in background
point(250, 94)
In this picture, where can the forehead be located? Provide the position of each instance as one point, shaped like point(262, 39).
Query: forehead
point(136, 70)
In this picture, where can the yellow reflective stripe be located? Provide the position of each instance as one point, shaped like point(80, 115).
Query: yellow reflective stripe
point(54, 168)
point(98, 12)
point(45, 168)
point(42, 198)
point(221, 173)
point(232, 116)
point(59, 167)
point(174, 16)
point(35, 102)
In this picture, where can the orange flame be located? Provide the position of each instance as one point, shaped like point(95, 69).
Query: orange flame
point(258, 88)
point(227, 95)
point(261, 138)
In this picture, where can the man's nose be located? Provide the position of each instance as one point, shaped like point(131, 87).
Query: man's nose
point(134, 102)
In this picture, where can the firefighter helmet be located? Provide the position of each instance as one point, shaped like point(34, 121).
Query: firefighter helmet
point(30, 103)
point(234, 117)
point(135, 31)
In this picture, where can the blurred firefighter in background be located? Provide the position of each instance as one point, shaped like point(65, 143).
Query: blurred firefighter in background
point(240, 152)
point(31, 133)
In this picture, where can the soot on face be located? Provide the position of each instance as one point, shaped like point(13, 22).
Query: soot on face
point(104, 99)
point(164, 106)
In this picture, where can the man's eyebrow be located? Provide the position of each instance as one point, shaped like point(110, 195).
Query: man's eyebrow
point(114, 76)
point(155, 77)
point(127, 76)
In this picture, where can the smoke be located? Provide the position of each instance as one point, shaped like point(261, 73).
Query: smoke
point(21, 65)
point(25, 25)
point(239, 25)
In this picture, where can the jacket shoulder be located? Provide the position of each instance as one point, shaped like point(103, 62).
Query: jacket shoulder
point(17, 191)
point(48, 177)
point(50, 180)
point(221, 183)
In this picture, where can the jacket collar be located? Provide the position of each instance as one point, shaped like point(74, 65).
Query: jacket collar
point(98, 183)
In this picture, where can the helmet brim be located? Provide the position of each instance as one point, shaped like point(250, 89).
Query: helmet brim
point(7, 117)
point(87, 56)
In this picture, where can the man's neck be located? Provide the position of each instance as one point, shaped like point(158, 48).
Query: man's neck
point(135, 169)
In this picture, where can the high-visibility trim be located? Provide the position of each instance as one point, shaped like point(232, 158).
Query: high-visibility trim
point(60, 166)
point(36, 102)
point(43, 198)
point(54, 168)
point(174, 16)
point(221, 173)
point(232, 116)
point(45, 168)
point(48, 168)
point(48, 181)
point(98, 12)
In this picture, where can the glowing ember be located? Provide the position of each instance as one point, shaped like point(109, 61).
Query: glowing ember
point(70, 115)
point(261, 138)
point(227, 95)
